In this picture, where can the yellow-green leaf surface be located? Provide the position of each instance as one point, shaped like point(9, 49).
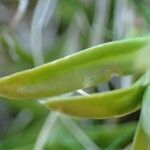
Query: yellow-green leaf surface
point(105, 105)
point(145, 113)
point(142, 136)
point(83, 69)
point(141, 140)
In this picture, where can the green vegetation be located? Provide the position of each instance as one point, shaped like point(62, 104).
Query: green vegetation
point(54, 95)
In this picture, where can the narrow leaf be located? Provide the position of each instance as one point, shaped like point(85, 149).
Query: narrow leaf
point(145, 113)
point(141, 140)
point(106, 105)
point(83, 69)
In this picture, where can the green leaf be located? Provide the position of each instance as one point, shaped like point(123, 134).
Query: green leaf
point(106, 105)
point(145, 113)
point(141, 140)
point(142, 136)
point(80, 70)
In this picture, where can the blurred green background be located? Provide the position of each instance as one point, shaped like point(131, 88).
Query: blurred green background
point(35, 32)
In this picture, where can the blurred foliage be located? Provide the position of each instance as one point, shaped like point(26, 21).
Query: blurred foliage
point(69, 30)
